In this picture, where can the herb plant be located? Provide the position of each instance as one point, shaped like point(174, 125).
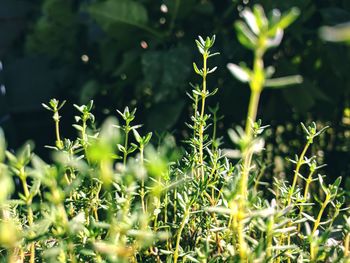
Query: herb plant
point(112, 196)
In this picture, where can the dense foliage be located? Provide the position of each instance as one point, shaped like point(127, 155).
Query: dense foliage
point(139, 53)
point(110, 196)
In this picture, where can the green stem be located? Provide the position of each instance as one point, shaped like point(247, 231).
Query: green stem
point(56, 118)
point(30, 216)
point(179, 233)
point(84, 138)
point(252, 112)
point(201, 124)
point(296, 173)
point(313, 249)
point(320, 213)
point(291, 192)
point(269, 238)
point(256, 86)
point(126, 146)
point(97, 198)
point(142, 194)
point(347, 245)
point(306, 192)
point(195, 112)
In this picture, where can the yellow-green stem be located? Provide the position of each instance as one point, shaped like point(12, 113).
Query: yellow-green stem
point(306, 192)
point(214, 130)
point(252, 112)
point(347, 245)
point(297, 169)
point(241, 241)
point(126, 147)
point(201, 125)
point(320, 213)
point(179, 233)
point(256, 86)
point(30, 216)
point(300, 162)
point(269, 238)
point(142, 194)
point(59, 142)
point(313, 249)
point(84, 139)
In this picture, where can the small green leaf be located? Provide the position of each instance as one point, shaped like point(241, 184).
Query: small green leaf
point(121, 148)
point(278, 83)
point(260, 17)
point(238, 72)
point(196, 69)
point(137, 135)
point(285, 21)
point(337, 182)
point(132, 148)
point(46, 107)
point(78, 127)
point(251, 20)
point(338, 33)
point(245, 36)
point(62, 104)
point(35, 188)
point(202, 42)
point(147, 138)
point(212, 70)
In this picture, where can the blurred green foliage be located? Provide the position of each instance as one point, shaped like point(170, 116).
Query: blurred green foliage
point(139, 53)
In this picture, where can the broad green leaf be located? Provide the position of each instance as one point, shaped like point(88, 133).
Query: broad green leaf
point(114, 15)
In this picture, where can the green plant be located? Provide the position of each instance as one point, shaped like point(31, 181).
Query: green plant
point(111, 196)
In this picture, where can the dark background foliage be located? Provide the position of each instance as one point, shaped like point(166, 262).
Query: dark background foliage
point(140, 53)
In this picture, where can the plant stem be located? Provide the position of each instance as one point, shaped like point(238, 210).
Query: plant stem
point(291, 192)
point(241, 242)
point(296, 173)
point(320, 213)
point(179, 232)
point(201, 123)
point(214, 131)
point(126, 146)
point(252, 112)
point(313, 253)
point(306, 192)
point(30, 216)
point(256, 86)
point(84, 138)
point(269, 238)
point(347, 245)
point(142, 194)
point(56, 118)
